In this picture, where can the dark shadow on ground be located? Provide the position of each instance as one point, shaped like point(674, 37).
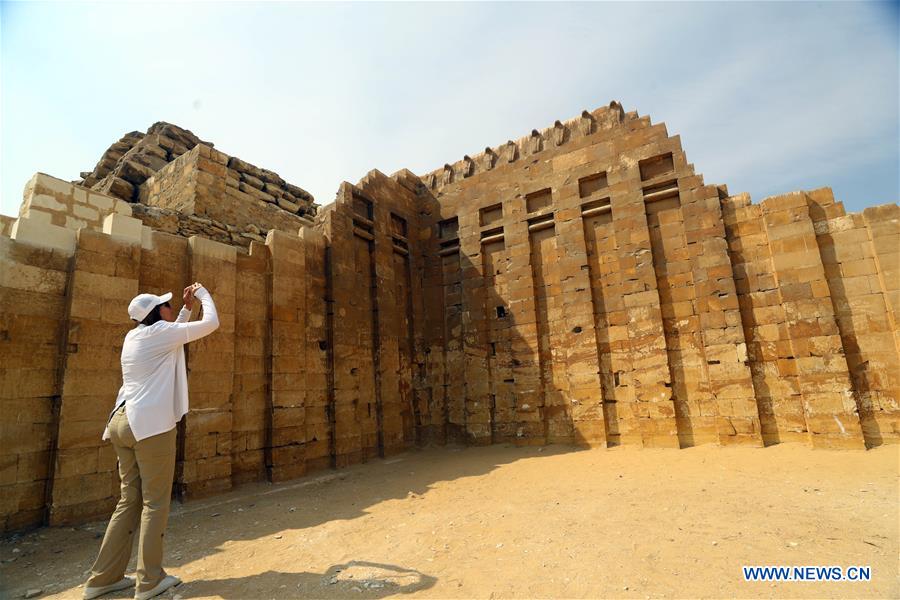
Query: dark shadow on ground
point(372, 580)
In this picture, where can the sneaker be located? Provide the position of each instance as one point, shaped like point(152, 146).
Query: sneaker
point(169, 581)
point(94, 592)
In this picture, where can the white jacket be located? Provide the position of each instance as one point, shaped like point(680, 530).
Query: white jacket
point(154, 378)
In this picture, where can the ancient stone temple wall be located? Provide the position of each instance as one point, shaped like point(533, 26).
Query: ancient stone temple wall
point(713, 320)
point(580, 285)
point(375, 308)
point(597, 295)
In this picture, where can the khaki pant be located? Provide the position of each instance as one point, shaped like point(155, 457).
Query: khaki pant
point(146, 469)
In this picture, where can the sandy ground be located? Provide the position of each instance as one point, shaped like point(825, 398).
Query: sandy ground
point(506, 522)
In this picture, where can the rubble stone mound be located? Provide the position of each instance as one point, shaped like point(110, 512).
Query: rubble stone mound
point(126, 166)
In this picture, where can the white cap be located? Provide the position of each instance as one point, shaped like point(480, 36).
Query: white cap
point(142, 304)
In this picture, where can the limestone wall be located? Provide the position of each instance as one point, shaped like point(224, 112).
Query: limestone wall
point(587, 286)
point(33, 283)
point(579, 285)
point(60, 203)
point(251, 382)
point(375, 304)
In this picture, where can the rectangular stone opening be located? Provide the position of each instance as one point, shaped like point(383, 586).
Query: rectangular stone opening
point(600, 211)
point(492, 235)
point(448, 228)
point(588, 186)
point(449, 247)
point(398, 234)
point(542, 222)
point(652, 168)
point(362, 207)
point(491, 214)
point(658, 206)
point(661, 191)
point(398, 226)
point(538, 200)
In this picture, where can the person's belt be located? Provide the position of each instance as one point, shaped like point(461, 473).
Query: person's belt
point(114, 411)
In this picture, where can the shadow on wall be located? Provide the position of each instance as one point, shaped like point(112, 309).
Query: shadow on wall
point(502, 340)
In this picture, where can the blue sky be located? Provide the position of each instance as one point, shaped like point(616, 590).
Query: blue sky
point(767, 97)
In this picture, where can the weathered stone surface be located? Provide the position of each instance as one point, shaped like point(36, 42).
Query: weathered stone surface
point(578, 285)
point(288, 205)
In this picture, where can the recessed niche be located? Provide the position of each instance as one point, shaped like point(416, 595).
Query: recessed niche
point(597, 212)
point(538, 200)
point(657, 206)
point(542, 222)
point(492, 234)
point(362, 207)
point(398, 225)
point(596, 206)
point(491, 214)
point(661, 191)
point(449, 228)
point(591, 184)
point(501, 312)
point(656, 166)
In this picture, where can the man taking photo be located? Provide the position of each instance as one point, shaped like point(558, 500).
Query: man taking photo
point(151, 401)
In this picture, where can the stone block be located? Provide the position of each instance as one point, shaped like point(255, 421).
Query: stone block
point(43, 235)
point(124, 228)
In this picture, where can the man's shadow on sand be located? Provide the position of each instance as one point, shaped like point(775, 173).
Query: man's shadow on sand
point(356, 578)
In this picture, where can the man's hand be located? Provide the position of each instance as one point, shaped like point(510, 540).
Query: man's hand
point(188, 295)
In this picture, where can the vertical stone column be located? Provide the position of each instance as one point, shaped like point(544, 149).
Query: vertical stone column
point(103, 281)
point(394, 393)
point(585, 395)
point(524, 344)
point(347, 316)
point(433, 338)
point(206, 468)
point(831, 414)
point(422, 389)
point(453, 382)
point(611, 330)
point(772, 363)
point(474, 322)
point(411, 411)
point(883, 226)
point(356, 405)
point(716, 303)
point(250, 420)
point(33, 282)
point(857, 291)
point(647, 342)
point(499, 327)
point(554, 382)
point(288, 330)
point(315, 367)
